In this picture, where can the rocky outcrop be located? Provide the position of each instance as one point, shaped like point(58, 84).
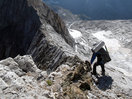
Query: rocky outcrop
point(20, 78)
point(77, 81)
point(18, 81)
point(24, 28)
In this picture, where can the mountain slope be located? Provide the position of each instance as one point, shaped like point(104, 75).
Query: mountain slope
point(117, 36)
point(27, 26)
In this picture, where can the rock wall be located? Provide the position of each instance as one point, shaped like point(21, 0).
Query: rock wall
point(18, 24)
point(45, 55)
point(23, 30)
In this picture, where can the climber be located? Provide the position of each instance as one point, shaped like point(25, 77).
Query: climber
point(102, 57)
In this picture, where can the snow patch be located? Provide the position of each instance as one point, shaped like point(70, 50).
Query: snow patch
point(79, 40)
point(75, 34)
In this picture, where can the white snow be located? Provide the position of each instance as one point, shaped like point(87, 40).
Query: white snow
point(75, 33)
point(78, 37)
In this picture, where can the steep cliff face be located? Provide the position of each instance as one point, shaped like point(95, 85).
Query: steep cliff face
point(23, 29)
point(18, 24)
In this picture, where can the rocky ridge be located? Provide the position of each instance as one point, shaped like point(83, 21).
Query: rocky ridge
point(29, 27)
point(20, 78)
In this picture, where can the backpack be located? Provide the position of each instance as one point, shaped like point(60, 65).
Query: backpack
point(98, 46)
point(105, 55)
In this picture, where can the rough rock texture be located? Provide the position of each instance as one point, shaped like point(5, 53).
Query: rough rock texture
point(18, 24)
point(24, 26)
point(117, 81)
point(65, 14)
point(78, 81)
point(20, 78)
point(69, 79)
point(16, 83)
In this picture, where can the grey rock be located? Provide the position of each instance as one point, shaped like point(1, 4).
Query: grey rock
point(44, 74)
point(13, 66)
point(26, 63)
point(3, 84)
point(14, 86)
point(24, 26)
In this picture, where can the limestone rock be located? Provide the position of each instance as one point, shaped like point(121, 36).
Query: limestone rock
point(29, 26)
point(26, 63)
point(12, 65)
point(77, 81)
point(22, 84)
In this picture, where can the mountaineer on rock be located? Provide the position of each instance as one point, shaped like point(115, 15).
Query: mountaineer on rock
point(102, 57)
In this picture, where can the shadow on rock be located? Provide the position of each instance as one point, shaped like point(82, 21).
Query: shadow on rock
point(104, 82)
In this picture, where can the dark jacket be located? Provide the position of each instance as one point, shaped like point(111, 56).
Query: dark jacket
point(99, 57)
